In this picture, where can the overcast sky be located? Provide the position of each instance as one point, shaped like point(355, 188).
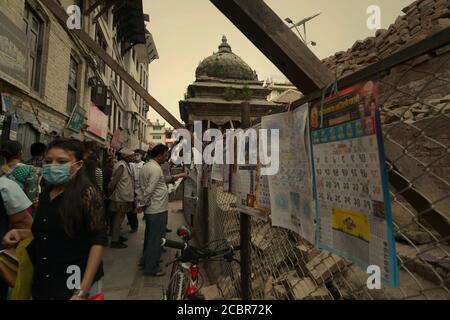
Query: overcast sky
point(187, 31)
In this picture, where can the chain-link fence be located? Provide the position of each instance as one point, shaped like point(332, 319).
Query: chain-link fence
point(415, 112)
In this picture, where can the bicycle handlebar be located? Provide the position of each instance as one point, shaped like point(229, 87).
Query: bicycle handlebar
point(192, 253)
point(174, 244)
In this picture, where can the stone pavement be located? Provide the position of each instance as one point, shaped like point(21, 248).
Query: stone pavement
point(124, 280)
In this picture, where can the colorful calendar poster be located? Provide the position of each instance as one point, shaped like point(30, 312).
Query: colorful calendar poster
point(351, 187)
point(291, 196)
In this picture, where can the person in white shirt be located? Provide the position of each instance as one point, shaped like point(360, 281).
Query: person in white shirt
point(136, 167)
point(154, 202)
point(13, 215)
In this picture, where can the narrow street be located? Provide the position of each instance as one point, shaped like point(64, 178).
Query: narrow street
point(124, 280)
point(304, 145)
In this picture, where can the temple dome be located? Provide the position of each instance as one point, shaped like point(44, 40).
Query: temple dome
point(224, 64)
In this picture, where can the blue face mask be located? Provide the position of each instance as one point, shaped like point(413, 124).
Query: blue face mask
point(56, 174)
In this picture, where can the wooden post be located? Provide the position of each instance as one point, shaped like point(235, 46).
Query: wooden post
point(245, 227)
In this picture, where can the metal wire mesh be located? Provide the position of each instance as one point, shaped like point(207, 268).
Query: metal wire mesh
point(415, 111)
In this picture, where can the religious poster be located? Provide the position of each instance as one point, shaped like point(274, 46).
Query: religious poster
point(247, 186)
point(291, 197)
point(354, 217)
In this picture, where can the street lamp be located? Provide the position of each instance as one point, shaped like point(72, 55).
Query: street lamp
point(302, 23)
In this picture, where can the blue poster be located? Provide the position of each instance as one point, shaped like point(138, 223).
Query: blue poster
point(351, 187)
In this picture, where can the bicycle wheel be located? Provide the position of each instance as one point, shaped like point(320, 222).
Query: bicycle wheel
point(177, 286)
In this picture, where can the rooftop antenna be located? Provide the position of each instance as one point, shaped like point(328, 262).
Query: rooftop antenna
point(303, 23)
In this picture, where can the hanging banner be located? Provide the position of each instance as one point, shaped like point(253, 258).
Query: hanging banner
point(116, 141)
point(97, 122)
point(354, 218)
point(76, 120)
point(291, 196)
point(7, 103)
point(14, 127)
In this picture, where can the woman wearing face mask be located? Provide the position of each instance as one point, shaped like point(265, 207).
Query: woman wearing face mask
point(69, 233)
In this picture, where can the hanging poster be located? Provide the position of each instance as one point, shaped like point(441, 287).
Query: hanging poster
point(247, 185)
point(76, 120)
point(14, 127)
point(7, 104)
point(262, 191)
point(354, 216)
point(217, 168)
point(291, 197)
point(97, 122)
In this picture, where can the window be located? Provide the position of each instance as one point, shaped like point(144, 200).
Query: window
point(100, 39)
point(119, 123)
point(72, 90)
point(33, 27)
point(156, 137)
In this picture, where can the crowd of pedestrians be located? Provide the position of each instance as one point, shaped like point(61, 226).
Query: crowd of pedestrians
point(65, 205)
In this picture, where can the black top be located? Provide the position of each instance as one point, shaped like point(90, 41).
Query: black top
point(52, 251)
point(4, 222)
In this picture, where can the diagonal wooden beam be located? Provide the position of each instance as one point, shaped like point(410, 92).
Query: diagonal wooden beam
point(62, 16)
point(276, 41)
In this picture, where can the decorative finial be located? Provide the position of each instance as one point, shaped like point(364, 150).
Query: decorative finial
point(224, 47)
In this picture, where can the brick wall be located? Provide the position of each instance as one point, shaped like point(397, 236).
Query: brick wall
point(13, 9)
point(420, 19)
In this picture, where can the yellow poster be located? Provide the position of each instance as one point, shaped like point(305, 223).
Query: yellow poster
point(352, 223)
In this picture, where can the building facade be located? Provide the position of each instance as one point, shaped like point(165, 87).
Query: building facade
point(156, 132)
point(50, 81)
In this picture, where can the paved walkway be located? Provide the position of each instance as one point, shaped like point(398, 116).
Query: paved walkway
point(124, 280)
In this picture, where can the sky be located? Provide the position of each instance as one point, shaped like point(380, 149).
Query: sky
point(187, 31)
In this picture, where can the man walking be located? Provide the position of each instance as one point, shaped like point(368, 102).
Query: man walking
point(121, 191)
point(155, 204)
point(136, 167)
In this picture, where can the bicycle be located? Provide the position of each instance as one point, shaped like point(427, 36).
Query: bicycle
point(184, 278)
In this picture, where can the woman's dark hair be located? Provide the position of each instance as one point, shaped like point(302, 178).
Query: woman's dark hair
point(158, 150)
point(11, 150)
point(73, 208)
